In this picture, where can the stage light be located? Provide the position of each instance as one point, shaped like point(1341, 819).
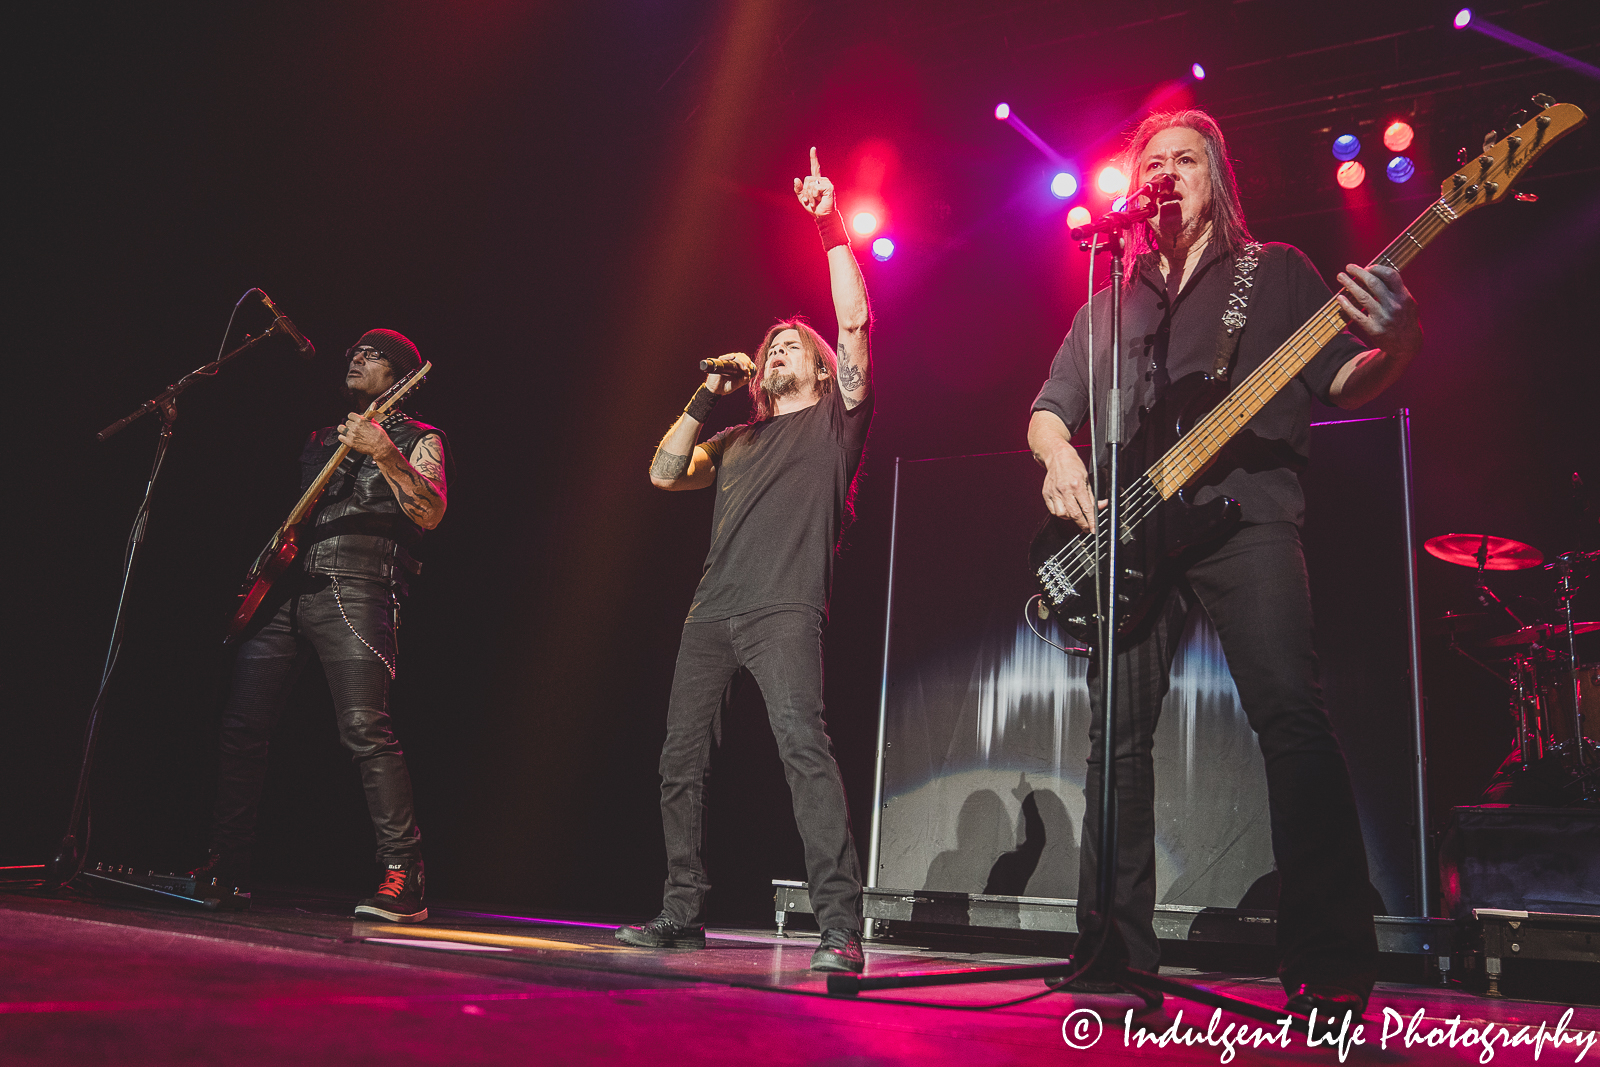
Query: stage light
point(882, 249)
point(1350, 175)
point(1400, 169)
point(1119, 203)
point(1002, 111)
point(864, 222)
point(1463, 18)
point(1078, 216)
point(1346, 146)
point(1198, 71)
point(1112, 181)
point(1397, 138)
point(1063, 185)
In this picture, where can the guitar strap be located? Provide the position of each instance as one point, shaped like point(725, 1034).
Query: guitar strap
point(1236, 311)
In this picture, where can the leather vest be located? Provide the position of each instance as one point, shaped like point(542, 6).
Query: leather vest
point(357, 529)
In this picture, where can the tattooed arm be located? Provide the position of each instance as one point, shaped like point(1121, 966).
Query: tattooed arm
point(849, 292)
point(679, 462)
point(418, 482)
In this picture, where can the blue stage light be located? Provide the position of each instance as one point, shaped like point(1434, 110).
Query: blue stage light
point(882, 248)
point(1401, 169)
point(1346, 146)
point(1063, 185)
point(1463, 18)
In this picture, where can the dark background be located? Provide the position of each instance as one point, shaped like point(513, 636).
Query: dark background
point(566, 205)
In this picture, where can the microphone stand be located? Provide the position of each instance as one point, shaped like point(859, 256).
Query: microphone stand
point(1059, 976)
point(71, 854)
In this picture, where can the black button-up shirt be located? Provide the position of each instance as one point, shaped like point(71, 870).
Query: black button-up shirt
point(1260, 467)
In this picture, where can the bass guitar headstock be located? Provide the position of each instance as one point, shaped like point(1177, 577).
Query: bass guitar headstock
point(1487, 179)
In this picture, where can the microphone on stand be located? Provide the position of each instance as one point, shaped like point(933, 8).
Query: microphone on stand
point(307, 349)
point(725, 365)
point(1160, 185)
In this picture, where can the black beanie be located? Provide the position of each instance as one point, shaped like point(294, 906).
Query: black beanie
point(402, 355)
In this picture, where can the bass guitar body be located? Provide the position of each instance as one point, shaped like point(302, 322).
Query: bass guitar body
point(269, 567)
point(1154, 552)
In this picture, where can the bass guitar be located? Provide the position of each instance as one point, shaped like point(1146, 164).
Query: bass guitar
point(1162, 533)
point(285, 545)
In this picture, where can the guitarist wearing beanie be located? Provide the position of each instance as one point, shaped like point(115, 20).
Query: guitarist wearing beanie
point(336, 601)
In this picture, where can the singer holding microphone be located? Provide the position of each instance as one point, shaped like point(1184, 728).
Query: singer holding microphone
point(784, 482)
point(337, 601)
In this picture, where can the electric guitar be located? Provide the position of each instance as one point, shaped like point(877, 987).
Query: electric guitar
point(1162, 533)
point(285, 546)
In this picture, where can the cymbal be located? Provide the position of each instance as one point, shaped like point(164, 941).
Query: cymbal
point(1458, 622)
point(1504, 554)
point(1541, 634)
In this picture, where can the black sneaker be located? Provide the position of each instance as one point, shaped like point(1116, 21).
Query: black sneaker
point(224, 876)
point(662, 932)
point(399, 898)
point(840, 950)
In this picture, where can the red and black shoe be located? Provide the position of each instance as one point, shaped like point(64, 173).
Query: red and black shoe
point(399, 898)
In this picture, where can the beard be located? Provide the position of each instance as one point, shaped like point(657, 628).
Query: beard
point(779, 384)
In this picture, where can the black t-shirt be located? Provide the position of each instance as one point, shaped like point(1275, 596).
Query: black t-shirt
point(782, 487)
point(1260, 467)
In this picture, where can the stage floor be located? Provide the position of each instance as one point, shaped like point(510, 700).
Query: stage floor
point(297, 982)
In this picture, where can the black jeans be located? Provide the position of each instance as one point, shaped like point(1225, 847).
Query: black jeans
point(1254, 589)
point(782, 649)
point(308, 615)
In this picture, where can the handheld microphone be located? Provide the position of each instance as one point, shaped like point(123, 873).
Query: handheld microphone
point(307, 349)
point(725, 365)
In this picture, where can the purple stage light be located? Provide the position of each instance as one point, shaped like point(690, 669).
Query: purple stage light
point(882, 249)
point(1533, 48)
point(1198, 71)
point(1346, 146)
point(1400, 169)
point(1002, 111)
point(1063, 185)
point(1463, 18)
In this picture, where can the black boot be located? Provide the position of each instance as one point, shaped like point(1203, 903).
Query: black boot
point(399, 897)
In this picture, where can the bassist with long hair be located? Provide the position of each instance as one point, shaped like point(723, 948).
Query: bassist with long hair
point(1205, 305)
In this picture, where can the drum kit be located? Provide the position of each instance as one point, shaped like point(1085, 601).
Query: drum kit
point(1554, 695)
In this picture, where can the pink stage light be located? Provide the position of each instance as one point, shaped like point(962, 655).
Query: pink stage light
point(864, 222)
point(1463, 18)
point(1112, 181)
point(1078, 216)
point(1351, 174)
point(1397, 138)
point(1002, 111)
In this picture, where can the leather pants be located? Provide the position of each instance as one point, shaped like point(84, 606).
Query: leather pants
point(349, 624)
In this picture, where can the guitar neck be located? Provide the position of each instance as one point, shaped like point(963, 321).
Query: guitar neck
point(375, 411)
point(1199, 447)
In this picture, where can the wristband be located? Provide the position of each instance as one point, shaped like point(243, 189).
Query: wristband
point(831, 229)
point(700, 405)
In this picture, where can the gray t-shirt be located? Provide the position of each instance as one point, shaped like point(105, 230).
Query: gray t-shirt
point(782, 489)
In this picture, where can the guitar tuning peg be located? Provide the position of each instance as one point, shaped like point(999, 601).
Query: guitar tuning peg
point(1543, 100)
point(1489, 138)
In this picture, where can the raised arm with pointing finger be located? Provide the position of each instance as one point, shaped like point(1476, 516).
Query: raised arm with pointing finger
point(783, 483)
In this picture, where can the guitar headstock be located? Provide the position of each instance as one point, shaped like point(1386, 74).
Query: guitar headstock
point(1487, 179)
point(388, 400)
